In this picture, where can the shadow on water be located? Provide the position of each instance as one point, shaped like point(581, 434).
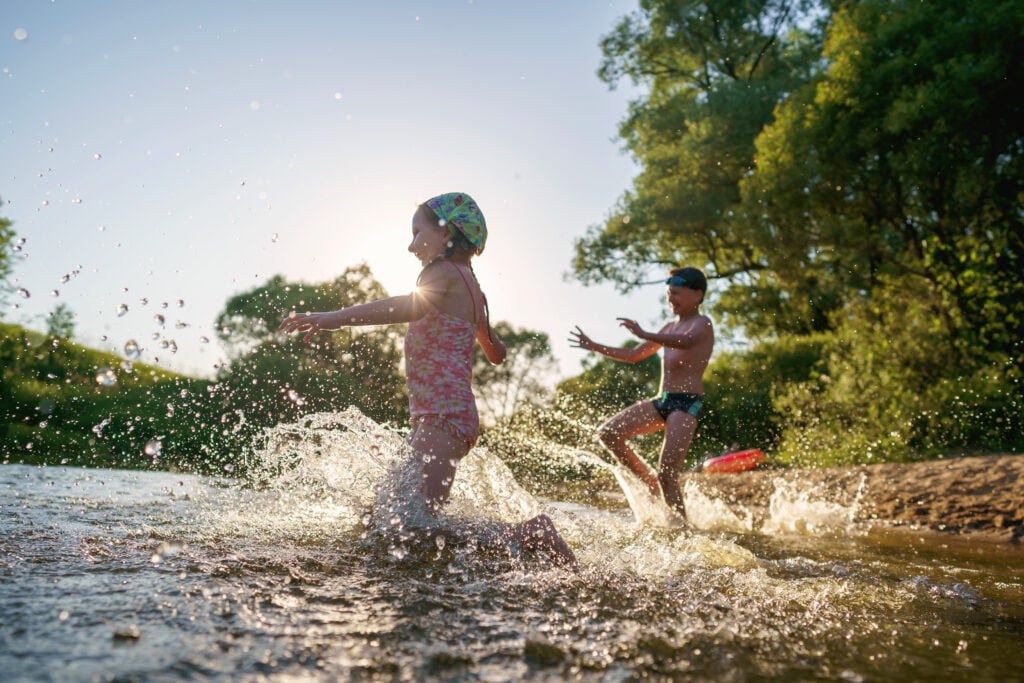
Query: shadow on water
point(312, 571)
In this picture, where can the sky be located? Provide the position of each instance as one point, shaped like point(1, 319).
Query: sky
point(158, 158)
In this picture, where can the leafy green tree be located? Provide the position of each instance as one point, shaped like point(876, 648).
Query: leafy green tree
point(273, 378)
point(501, 390)
point(712, 73)
point(60, 323)
point(902, 165)
point(6, 237)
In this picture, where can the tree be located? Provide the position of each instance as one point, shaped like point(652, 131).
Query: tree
point(901, 167)
point(60, 323)
point(503, 389)
point(6, 237)
point(713, 72)
point(272, 377)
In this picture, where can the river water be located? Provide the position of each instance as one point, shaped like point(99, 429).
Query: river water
point(291, 576)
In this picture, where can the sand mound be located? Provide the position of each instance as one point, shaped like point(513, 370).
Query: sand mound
point(981, 497)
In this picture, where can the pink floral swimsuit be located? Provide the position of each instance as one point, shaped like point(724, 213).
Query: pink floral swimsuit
point(439, 371)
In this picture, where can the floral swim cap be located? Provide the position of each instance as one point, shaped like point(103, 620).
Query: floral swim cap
point(461, 214)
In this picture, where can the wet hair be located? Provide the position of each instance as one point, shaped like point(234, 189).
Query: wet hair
point(694, 277)
point(457, 242)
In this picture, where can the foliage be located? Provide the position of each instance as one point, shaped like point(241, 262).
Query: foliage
point(6, 237)
point(713, 72)
point(740, 387)
point(854, 176)
point(273, 378)
point(60, 404)
point(60, 323)
point(884, 392)
point(904, 159)
point(502, 390)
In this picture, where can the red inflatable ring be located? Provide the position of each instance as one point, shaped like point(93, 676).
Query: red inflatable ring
point(740, 461)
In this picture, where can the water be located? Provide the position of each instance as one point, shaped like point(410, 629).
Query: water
point(116, 575)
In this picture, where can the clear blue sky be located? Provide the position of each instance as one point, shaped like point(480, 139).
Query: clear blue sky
point(188, 151)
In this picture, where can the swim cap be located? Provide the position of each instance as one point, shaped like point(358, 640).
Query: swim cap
point(461, 214)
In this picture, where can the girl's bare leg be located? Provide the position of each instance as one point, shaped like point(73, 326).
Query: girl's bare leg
point(439, 453)
point(539, 533)
point(639, 418)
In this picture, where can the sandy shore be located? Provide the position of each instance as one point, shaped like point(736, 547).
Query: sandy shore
point(981, 497)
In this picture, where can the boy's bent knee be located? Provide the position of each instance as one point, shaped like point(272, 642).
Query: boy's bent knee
point(609, 436)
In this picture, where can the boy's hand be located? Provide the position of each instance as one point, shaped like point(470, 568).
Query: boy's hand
point(631, 325)
point(580, 340)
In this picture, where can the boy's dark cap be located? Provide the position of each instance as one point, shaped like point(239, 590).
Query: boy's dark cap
point(693, 277)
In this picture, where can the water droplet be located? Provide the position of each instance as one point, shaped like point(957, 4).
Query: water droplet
point(20, 33)
point(204, 339)
point(158, 319)
point(273, 238)
point(132, 350)
point(97, 156)
point(143, 300)
point(54, 292)
point(181, 303)
point(106, 377)
point(121, 310)
point(24, 293)
point(337, 95)
point(153, 448)
point(65, 279)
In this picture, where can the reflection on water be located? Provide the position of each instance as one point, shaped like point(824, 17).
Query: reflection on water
point(157, 576)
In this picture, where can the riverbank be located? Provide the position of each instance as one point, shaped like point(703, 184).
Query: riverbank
point(979, 498)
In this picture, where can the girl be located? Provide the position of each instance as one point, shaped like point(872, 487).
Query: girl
point(447, 314)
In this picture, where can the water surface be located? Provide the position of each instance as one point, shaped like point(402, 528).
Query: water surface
point(157, 576)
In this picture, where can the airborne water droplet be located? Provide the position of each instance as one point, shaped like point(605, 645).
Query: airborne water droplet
point(153, 447)
point(24, 293)
point(132, 350)
point(121, 309)
point(106, 377)
point(158, 319)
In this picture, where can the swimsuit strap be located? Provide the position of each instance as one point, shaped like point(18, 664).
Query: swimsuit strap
point(472, 298)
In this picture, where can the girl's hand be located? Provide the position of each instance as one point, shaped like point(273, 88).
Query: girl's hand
point(580, 340)
point(310, 323)
point(632, 326)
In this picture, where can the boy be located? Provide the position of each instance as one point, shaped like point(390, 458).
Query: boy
point(688, 342)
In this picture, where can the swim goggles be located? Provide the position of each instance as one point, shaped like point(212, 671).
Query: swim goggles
point(678, 281)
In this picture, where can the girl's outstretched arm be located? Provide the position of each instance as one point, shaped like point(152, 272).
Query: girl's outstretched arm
point(634, 354)
point(395, 309)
